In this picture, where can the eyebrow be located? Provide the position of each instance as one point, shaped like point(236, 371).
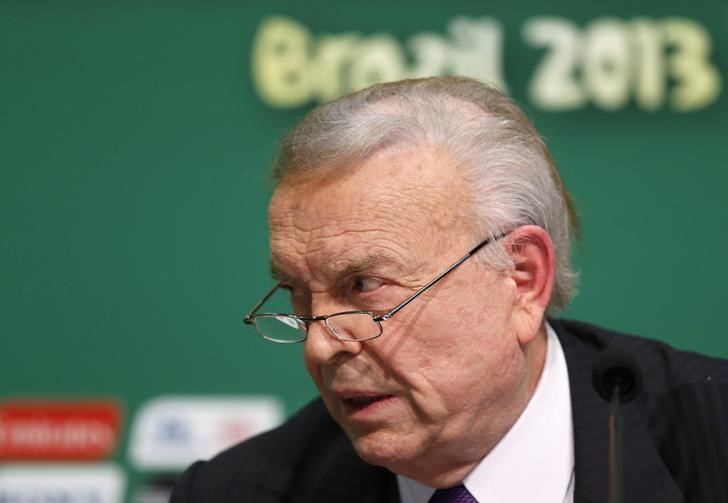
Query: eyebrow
point(351, 267)
point(341, 268)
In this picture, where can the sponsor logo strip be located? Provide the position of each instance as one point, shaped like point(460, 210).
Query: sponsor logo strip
point(170, 432)
point(99, 483)
point(58, 430)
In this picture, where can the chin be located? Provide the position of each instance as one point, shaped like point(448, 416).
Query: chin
point(383, 449)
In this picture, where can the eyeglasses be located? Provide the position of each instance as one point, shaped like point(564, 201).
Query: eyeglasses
point(348, 326)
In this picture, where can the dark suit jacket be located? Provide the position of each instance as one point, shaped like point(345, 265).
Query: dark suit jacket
point(675, 439)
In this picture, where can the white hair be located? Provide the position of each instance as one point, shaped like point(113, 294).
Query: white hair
point(498, 150)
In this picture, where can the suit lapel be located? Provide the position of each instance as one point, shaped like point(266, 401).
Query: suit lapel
point(645, 476)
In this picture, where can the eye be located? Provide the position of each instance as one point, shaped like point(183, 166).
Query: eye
point(364, 284)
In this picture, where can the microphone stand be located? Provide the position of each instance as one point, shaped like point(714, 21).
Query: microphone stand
point(617, 379)
point(615, 448)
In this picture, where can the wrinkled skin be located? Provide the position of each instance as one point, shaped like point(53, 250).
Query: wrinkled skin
point(452, 371)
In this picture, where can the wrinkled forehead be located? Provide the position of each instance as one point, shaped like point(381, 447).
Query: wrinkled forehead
point(409, 176)
point(401, 198)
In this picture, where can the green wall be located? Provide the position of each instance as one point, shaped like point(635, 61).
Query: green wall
point(135, 139)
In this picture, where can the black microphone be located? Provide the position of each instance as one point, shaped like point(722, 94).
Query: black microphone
point(618, 379)
point(616, 370)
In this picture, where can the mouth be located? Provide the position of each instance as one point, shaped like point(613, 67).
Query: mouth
point(360, 404)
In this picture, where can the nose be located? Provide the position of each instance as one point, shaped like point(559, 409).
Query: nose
point(323, 348)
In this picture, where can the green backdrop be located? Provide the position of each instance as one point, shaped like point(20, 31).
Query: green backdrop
point(135, 139)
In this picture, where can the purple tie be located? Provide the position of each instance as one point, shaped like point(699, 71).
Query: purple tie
point(457, 494)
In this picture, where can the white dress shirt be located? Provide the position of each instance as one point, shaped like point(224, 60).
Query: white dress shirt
point(534, 461)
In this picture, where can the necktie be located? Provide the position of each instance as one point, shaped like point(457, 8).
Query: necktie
point(457, 494)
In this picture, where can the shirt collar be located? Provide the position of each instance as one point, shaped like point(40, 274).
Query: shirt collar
point(534, 461)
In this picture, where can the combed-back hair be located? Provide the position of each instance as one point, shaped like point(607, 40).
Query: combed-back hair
point(497, 149)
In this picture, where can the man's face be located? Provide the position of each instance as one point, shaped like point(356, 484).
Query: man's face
point(445, 380)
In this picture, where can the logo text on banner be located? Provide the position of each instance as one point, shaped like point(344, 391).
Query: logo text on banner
point(608, 62)
point(58, 430)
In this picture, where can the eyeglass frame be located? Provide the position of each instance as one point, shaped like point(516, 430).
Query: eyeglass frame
point(249, 319)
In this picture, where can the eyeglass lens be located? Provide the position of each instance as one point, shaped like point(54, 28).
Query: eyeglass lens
point(344, 326)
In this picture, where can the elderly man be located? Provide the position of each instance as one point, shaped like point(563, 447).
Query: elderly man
point(421, 233)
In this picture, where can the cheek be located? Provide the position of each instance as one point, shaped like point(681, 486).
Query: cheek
point(428, 359)
point(450, 358)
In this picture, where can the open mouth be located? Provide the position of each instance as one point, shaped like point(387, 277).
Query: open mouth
point(361, 402)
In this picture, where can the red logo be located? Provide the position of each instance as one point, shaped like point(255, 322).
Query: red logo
point(58, 430)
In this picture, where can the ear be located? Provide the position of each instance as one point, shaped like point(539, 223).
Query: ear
point(533, 271)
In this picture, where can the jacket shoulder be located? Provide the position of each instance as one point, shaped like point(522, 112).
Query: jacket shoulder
point(665, 368)
point(683, 405)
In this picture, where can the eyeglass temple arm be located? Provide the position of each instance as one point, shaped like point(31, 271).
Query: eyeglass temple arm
point(249, 318)
point(422, 290)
